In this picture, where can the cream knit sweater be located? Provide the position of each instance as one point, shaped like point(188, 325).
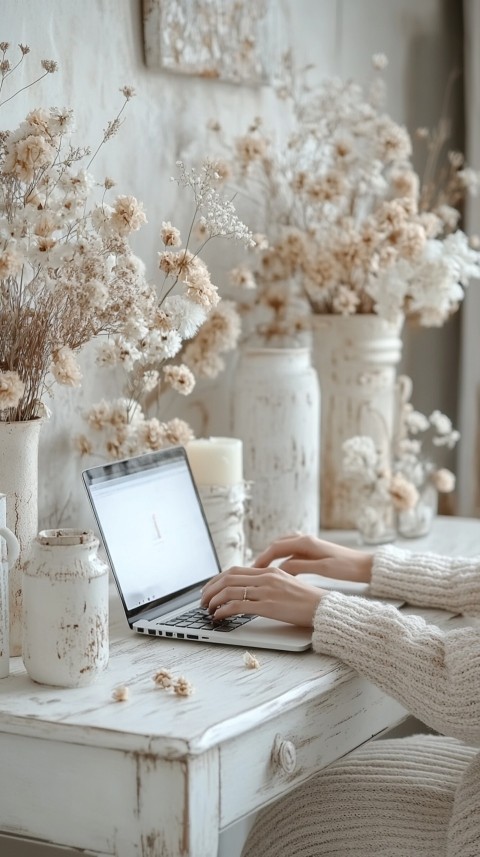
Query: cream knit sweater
point(404, 797)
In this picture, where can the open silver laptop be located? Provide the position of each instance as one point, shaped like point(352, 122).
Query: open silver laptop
point(161, 553)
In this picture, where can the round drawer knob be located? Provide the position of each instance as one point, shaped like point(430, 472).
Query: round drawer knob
point(284, 755)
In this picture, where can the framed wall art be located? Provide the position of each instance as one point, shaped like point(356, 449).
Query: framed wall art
point(228, 40)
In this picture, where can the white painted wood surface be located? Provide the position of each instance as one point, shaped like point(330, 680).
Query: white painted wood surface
point(159, 775)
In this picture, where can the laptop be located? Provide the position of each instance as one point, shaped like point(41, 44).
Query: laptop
point(161, 553)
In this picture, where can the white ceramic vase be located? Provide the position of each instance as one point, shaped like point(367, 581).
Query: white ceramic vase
point(356, 359)
point(19, 481)
point(276, 410)
point(65, 609)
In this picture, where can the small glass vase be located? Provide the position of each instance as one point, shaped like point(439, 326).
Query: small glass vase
point(416, 522)
point(376, 524)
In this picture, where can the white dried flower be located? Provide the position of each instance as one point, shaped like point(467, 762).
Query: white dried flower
point(121, 694)
point(379, 62)
point(250, 661)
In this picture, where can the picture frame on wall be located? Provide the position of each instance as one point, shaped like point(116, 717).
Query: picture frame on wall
point(227, 40)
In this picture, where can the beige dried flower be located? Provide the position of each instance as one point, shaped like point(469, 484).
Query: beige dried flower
point(128, 215)
point(250, 661)
point(170, 235)
point(50, 66)
point(443, 480)
point(121, 694)
point(403, 493)
point(163, 678)
point(178, 432)
point(11, 389)
point(82, 444)
point(128, 92)
point(65, 368)
point(243, 278)
point(182, 687)
point(180, 378)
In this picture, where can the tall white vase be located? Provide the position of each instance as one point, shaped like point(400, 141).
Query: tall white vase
point(19, 481)
point(276, 410)
point(356, 359)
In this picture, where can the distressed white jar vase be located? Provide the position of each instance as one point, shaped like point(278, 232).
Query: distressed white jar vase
point(19, 481)
point(225, 511)
point(65, 609)
point(276, 410)
point(356, 359)
point(9, 550)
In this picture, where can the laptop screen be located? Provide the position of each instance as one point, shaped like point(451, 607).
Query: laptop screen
point(152, 524)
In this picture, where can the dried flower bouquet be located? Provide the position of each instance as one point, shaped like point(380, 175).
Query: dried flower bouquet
point(67, 273)
point(349, 225)
point(179, 334)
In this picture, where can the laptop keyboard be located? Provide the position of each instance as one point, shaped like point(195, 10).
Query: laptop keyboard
point(199, 618)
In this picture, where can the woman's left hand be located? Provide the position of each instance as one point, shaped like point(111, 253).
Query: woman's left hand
point(268, 592)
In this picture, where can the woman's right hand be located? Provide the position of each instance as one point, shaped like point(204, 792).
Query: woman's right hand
point(308, 554)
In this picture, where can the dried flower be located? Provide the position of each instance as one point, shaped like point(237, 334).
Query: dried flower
point(49, 65)
point(121, 694)
point(182, 687)
point(163, 679)
point(403, 493)
point(11, 389)
point(443, 480)
point(250, 661)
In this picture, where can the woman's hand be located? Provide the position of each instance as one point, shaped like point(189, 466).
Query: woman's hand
point(269, 592)
point(307, 554)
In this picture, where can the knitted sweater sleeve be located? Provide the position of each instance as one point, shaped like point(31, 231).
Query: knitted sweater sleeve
point(435, 674)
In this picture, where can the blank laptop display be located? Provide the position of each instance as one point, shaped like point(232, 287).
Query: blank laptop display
point(161, 553)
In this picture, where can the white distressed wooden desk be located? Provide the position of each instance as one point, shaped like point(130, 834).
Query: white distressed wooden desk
point(160, 776)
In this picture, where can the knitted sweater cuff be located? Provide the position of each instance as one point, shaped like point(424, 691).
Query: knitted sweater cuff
point(450, 583)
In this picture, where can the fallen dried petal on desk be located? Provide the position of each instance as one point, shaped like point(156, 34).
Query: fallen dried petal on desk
point(251, 662)
point(182, 686)
point(121, 694)
point(164, 679)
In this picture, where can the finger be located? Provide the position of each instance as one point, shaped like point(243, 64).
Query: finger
point(239, 594)
point(282, 549)
point(236, 576)
point(279, 549)
point(236, 608)
point(302, 566)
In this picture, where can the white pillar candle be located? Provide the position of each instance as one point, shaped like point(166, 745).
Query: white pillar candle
point(216, 460)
